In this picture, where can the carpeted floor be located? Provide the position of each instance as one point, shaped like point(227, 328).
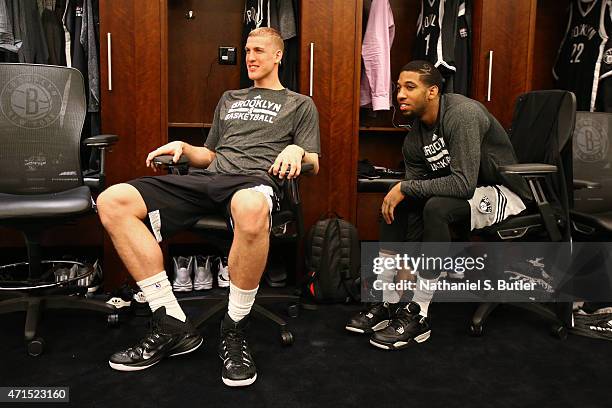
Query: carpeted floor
point(516, 364)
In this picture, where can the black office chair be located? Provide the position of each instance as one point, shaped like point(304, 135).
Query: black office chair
point(42, 111)
point(541, 134)
point(592, 212)
point(287, 231)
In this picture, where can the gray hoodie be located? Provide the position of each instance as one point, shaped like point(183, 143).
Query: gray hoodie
point(464, 149)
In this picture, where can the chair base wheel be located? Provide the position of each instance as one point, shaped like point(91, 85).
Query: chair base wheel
point(559, 332)
point(36, 346)
point(293, 310)
point(286, 338)
point(476, 330)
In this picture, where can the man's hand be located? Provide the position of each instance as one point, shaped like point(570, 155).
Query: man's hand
point(392, 199)
point(290, 158)
point(174, 148)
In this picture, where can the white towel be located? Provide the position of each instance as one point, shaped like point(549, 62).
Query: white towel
point(492, 204)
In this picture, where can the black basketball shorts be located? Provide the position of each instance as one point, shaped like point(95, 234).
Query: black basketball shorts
point(176, 202)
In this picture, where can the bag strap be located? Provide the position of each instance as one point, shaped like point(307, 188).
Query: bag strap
point(346, 273)
point(312, 273)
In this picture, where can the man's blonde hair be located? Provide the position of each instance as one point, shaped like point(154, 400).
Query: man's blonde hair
point(274, 35)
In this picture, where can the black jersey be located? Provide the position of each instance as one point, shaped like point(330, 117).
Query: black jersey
point(436, 34)
point(578, 63)
point(256, 15)
point(461, 79)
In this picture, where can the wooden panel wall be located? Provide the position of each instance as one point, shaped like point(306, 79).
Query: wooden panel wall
point(332, 27)
point(135, 108)
point(505, 27)
point(196, 81)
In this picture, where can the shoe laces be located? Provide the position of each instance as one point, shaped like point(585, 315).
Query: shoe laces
point(376, 309)
point(146, 343)
point(402, 318)
point(235, 347)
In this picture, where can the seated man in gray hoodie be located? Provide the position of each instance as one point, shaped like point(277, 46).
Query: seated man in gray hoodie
point(451, 154)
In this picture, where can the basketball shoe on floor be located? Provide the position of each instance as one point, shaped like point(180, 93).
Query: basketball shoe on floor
point(167, 337)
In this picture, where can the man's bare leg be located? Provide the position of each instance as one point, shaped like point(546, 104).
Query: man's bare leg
point(249, 252)
point(247, 260)
point(122, 210)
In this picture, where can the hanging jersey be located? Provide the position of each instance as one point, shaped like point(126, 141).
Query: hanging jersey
point(256, 15)
point(436, 31)
point(603, 102)
point(578, 64)
point(461, 79)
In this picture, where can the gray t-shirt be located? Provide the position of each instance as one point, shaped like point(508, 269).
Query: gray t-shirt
point(252, 126)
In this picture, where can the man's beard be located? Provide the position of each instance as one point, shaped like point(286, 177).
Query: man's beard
point(415, 113)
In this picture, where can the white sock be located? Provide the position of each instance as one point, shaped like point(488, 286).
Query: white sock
point(158, 292)
point(423, 294)
point(240, 302)
point(387, 276)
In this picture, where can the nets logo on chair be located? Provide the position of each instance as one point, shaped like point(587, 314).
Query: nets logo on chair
point(591, 139)
point(31, 101)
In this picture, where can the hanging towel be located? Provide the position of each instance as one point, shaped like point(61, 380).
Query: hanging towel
point(376, 85)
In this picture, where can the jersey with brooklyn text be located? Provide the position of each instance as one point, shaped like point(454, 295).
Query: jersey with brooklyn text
point(252, 126)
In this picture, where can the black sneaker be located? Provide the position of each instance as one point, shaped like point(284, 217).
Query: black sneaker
point(238, 365)
point(406, 327)
point(597, 325)
point(168, 337)
point(377, 318)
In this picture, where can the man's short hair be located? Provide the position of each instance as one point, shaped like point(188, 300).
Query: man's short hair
point(428, 73)
point(273, 33)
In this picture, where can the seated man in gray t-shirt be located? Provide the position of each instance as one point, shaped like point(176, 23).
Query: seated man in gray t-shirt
point(257, 135)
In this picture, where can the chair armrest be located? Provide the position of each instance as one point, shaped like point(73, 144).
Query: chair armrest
point(97, 179)
point(307, 168)
point(528, 169)
point(166, 160)
point(101, 141)
point(586, 184)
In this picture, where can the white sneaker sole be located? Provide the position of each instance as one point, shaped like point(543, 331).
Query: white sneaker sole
point(379, 326)
point(182, 287)
point(239, 383)
point(123, 367)
point(223, 283)
point(202, 286)
point(402, 344)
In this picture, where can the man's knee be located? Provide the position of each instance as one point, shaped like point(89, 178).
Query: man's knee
point(250, 212)
point(436, 209)
point(120, 200)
